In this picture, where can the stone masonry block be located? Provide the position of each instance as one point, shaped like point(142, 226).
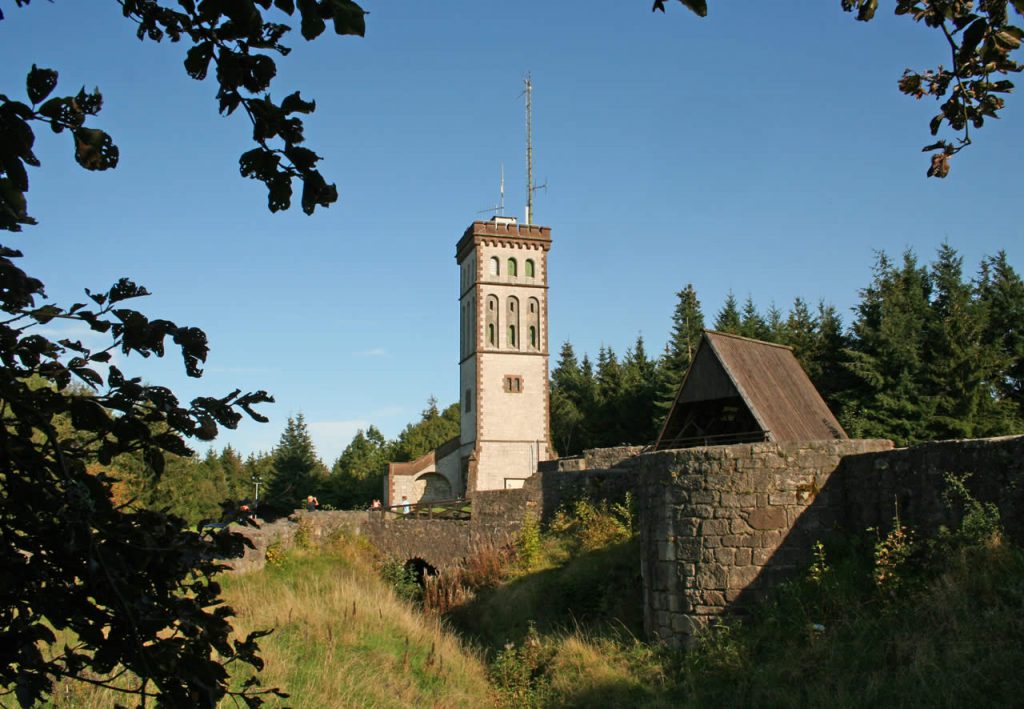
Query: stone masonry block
point(743, 557)
point(684, 624)
point(702, 511)
point(742, 576)
point(712, 576)
point(767, 518)
point(782, 498)
point(713, 598)
point(715, 526)
point(725, 555)
point(739, 526)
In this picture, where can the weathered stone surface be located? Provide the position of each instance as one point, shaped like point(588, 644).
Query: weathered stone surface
point(767, 518)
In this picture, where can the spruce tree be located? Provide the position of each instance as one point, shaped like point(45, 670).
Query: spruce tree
point(298, 471)
point(608, 429)
point(1000, 292)
point(752, 324)
point(729, 319)
point(687, 328)
point(638, 406)
point(889, 398)
point(565, 392)
point(955, 363)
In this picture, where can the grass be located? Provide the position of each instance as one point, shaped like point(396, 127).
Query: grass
point(341, 639)
point(889, 622)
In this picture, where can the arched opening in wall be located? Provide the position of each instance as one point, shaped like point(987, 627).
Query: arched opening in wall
point(531, 270)
point(495, 266)
point(419, 569)
point(513, 267)
point(492, 320)
point(512, 322)
point(434, 487)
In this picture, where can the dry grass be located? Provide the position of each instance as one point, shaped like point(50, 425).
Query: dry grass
point(341, 639)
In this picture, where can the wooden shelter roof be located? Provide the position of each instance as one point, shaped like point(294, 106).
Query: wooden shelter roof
point(769, 380)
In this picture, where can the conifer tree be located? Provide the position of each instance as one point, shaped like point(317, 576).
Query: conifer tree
point(358, 473)
point(833, 380)
point(298, 471)
point(607, 428)
point(801, 333)
point(888, 398)
point(956, 365)
point(638, 407)
point(565, 391)
point(752, 324)
point(1000, 291)
point(687, 328)
point(729, 319)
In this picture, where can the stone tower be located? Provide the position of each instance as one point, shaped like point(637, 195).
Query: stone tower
point(503, 360)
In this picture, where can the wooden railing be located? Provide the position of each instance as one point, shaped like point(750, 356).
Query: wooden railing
point(432, 509)
point(721, 439)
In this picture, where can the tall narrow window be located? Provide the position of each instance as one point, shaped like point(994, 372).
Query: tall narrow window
point(512, 321)
point(533, 323)
point(495, 266)
point(530, 270)
point(492, 320)
point(513, 267)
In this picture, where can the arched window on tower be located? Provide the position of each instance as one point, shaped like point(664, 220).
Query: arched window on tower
point(495, 266)
point(533, 324)
point(530, 269)
point(512, 316)
point(492, 320)
point(513, 267)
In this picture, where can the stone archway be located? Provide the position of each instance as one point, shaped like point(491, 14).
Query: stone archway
point(433, 486)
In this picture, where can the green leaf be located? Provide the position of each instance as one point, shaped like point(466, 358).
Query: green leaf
point(349, 18)
point(312, 23)
point(293, 103)
point(95, 150)
point(197, 61)
point(40, 83)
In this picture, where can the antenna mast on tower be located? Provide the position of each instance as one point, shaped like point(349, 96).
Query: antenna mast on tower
point(529, 148)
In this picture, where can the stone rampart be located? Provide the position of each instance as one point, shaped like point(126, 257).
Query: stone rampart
point(599, 474)
point(912, 482)
point(720, 525)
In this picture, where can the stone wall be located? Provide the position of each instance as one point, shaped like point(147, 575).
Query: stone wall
point(497, 516)
point(599, 474)
point(912, 481)
point(720, 525)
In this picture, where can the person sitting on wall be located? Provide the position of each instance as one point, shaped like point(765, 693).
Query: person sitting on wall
point(312, 504)
point(406, 508)
point(375, 505)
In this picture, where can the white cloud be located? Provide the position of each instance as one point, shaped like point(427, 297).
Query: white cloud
point(373, 352)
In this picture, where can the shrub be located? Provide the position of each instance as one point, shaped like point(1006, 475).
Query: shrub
point(401, 579)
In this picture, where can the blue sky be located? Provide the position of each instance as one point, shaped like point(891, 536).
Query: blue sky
point(763, 150)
